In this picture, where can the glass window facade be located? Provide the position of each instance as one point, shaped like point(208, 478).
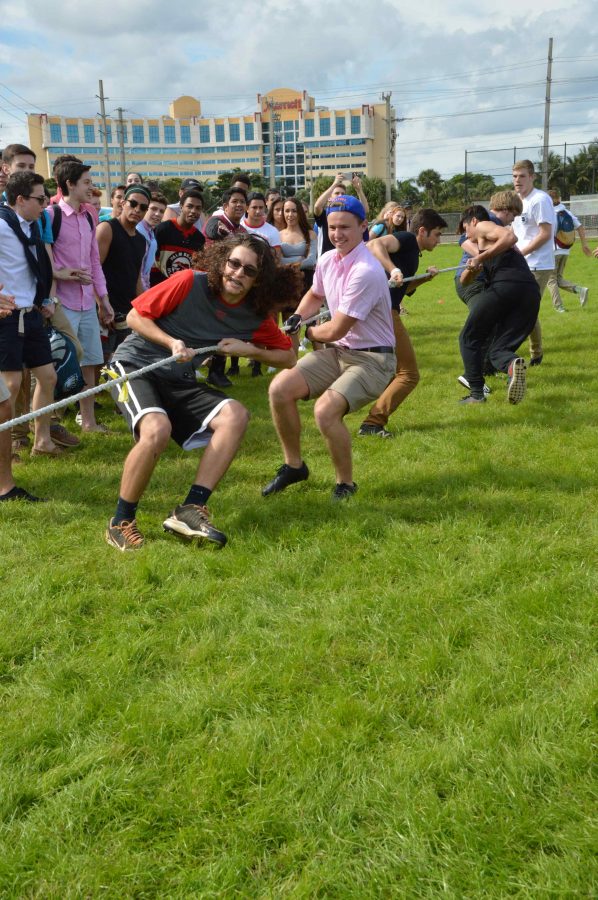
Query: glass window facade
point(138, 136)
point(235, 132)
point(309, 128)
point(249, 133)
point(72, 134)
point(204, 134)
point(169, 134)
point(89, 134)
point(325, 126)
point(185, 134)
point(355, 124)
point(154, 134)
point(56, 134)
point(340, 126)
point(220, 134)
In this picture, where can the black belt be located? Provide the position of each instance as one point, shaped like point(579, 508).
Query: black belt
point(375, 349)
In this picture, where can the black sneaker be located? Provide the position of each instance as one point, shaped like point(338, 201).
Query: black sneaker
point(343, 491)
point(285, 476)
point(256, 369)
point(536, 360)
point(376, 430)
point(192, 521)
point(19, 493)
point(516, 384)
point(463, 380)
point(234, 368)
point(218, 379)
point(124, 536)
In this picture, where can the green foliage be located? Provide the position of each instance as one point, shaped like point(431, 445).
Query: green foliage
point(51, 184)
point(170, 187)
point(225, 179)
point(389, 698)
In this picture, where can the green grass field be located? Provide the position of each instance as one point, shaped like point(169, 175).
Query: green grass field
point(394, 698)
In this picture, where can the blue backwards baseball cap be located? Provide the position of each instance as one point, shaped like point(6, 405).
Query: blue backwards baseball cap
point(346, 203)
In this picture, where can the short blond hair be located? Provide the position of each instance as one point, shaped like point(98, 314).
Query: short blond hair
point(525, 164)
point(507, 200)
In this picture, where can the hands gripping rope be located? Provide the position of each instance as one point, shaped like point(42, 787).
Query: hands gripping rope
point(114, 379)
point(399, 280)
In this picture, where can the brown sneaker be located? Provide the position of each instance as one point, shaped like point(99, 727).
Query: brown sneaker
point(61, 436)
point(125, 536)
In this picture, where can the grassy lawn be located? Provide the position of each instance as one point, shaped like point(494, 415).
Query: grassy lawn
point(392, 697)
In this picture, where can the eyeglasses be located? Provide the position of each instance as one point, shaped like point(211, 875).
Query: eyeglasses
point(41, 200)
point(135, 203)
point(236, 264)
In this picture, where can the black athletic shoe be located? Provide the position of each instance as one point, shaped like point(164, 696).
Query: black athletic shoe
point(19, 493)
point(192, 521)
point(365, 429)
point(234, 368)
point(256, 369)
point(343, 491)
point(124, 536)
point(285, 476)
point(536, 360)
point(218, 379)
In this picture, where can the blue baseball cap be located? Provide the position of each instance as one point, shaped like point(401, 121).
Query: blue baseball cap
point(347, 203)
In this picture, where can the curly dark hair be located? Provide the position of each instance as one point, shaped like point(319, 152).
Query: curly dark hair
point(275, 288)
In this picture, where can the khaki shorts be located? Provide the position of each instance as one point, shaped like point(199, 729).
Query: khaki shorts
point(4, 392)
point(357, 375)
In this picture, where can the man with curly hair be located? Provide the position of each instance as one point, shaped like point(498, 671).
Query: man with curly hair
point(228, 303)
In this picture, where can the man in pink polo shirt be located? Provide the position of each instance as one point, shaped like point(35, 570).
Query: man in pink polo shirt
point(77, 265)
point(359, 361)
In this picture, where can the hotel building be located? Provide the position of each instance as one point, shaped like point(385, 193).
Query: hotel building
point(303, 140)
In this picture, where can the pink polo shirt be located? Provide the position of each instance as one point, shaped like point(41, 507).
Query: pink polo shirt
point(77, 248)
point(357, 285)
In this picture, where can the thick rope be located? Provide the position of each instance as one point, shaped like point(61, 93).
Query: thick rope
point(90, 392)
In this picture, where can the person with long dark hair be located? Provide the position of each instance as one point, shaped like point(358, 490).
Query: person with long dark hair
point(505, 310)
point(229, 303)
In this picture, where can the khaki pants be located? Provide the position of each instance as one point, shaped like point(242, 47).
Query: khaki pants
point(405, 380)
point(557, 281)
point(535, 338)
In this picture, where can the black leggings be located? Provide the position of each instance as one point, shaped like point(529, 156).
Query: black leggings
point(505, 311)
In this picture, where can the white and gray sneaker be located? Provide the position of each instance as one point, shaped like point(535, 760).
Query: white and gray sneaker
point(517, 383)
point(583, 295)
point(463, 380)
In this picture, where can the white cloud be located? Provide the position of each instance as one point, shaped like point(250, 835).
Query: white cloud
point(439, 59)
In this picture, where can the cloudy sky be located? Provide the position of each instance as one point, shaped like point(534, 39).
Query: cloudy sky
point(462, 78)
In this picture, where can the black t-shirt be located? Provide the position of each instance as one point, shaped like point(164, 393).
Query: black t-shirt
point(407, 260)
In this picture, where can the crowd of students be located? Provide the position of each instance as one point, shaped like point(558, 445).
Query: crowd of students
point(146, 279)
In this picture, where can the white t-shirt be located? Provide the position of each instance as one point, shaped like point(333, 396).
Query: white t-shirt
point(266, 231)
point(537, 210)
point(564, 251)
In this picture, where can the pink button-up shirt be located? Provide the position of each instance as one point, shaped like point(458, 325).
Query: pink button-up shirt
point(357, 285)
point(77, 248)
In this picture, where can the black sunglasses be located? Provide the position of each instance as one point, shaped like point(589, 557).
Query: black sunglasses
point(135, 203)
point(236, 264)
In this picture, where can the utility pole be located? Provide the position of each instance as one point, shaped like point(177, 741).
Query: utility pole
point(101, 98)
point(547, 118)
point(465, 184)
point(390, 143)
point(121, 143)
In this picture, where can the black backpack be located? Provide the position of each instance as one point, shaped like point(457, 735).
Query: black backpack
point(57, 220)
